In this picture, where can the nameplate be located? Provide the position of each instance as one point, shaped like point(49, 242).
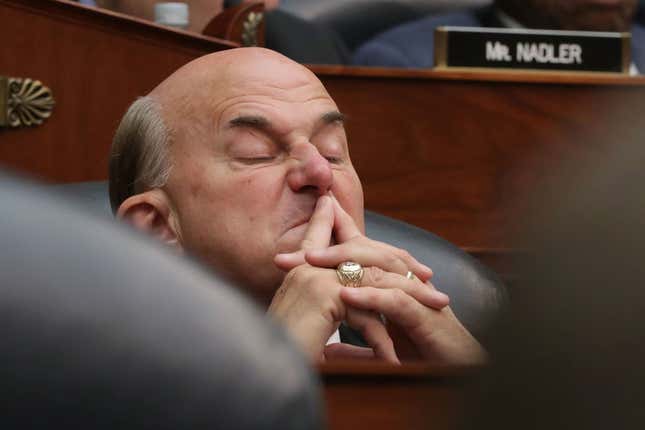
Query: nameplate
point(502, 48)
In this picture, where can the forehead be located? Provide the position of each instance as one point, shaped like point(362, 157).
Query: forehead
point(289, 92)
point(214, 89)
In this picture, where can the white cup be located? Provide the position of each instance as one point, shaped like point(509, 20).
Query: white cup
point(172, 14)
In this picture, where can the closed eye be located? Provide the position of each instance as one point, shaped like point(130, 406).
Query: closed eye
point(334, 160)
point(256, 160)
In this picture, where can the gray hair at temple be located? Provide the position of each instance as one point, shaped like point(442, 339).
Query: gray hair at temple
point(139, 155)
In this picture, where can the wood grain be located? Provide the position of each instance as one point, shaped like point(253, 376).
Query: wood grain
point(380, 396)
point(457, 154)
point(96, 63)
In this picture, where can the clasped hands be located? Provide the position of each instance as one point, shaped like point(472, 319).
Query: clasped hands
point(311, 302)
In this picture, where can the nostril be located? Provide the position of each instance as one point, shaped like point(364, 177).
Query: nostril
point(308, 188)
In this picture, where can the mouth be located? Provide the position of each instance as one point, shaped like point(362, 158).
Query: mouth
point(299, 222)
point(299, 217)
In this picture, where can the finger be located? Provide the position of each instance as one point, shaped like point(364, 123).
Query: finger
point(289, 261)
point(421, 271)
point(342, 351)
point(318, 235)
point(345, 227)
point(359, 250)
point(374, 332)
point(321, 223)
point(425, 294)
point(397, 306)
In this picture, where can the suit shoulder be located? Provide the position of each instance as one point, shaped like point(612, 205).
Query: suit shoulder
point(410, 44)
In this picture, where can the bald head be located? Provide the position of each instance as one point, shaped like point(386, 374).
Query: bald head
point(204, 79)
point(253, 140)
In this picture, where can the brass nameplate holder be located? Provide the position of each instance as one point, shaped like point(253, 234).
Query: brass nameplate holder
point(24, 102)
point(536, 50)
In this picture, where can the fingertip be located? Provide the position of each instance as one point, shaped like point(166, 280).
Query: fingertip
point(427, 271)
point(279, 260)
point(287, 261)
point(323, 201)
point(443, 298)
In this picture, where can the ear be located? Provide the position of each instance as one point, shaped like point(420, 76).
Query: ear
point(152, 212)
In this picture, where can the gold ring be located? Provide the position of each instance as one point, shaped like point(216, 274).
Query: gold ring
point(410, 275)
point(350, 273)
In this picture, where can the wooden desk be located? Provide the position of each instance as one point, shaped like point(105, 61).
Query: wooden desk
point(380, 396)
point(96, 63)
point(454, 152)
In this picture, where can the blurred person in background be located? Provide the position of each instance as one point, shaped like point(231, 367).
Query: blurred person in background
point(570, 354)
point(291, 35)
point(411, 45)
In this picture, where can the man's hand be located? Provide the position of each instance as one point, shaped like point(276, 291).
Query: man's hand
point(412, 305)
point(308, 302)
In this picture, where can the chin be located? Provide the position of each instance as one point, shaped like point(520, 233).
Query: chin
point(262, 285)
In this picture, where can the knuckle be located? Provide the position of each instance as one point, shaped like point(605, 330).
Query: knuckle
point(392, 260)
point(376, 275)
point(404, 254)
point(300, 274)
point(307, 243)
point(400, 298)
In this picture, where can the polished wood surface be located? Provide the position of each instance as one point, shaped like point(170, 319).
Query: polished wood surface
point(95, 62)
point(455, 152)
point(381, 396)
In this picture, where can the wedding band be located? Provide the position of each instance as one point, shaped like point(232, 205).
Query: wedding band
point(410, 275)
point(350, 273)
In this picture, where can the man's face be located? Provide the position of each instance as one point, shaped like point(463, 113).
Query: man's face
point(257, 146)
point(593, 15)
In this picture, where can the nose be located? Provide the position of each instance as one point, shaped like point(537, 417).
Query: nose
point(311, 171)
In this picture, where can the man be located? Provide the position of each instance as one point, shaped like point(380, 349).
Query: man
point(240, 158)
point(411, 44)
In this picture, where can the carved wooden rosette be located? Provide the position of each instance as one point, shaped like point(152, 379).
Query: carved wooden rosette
point(250, 28)
point(24, 102)
point(242, 24)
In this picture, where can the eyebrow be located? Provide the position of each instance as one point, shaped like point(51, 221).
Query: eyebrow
point(261, 123)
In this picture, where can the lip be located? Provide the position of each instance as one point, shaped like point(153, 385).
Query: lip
point(300, 216)
point(299, 221)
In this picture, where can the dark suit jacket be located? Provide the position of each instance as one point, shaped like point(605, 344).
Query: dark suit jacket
point(411, 45)
point(303, 41)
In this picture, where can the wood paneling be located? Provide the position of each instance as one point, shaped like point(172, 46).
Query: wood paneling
point(380, 396)
point(455, 152)
point(96, 63)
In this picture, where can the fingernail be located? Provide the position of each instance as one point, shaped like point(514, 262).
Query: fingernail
point(322, 202)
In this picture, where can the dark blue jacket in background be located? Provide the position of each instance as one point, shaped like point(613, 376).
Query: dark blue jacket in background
point(411, 45)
